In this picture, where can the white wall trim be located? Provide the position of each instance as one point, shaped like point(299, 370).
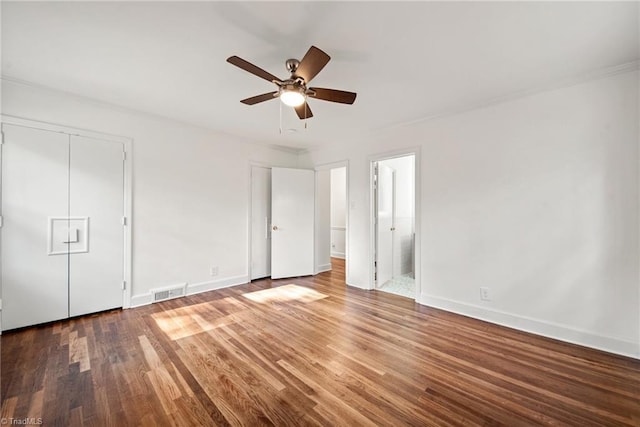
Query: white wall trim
point(212, 285)
point(535, 326)
point(338, 228)
point(128, 182)
point(193, 289)
point(549, 86)
point(140, 300)
point(133, 111)
point(323, 267)
point(340, 255)
point(54, 127)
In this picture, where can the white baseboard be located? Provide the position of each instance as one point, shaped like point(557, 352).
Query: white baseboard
point(140, 300)
point(337, 255)
point(197, 288)
point(535, 326)
point(194, 288)
point(323, 267)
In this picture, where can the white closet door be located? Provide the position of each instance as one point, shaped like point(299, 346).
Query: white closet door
point(292, 209)
point(260, 222)
point(35, 166)
point(96, 206)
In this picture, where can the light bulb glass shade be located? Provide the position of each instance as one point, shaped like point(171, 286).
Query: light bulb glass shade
point(292, 98)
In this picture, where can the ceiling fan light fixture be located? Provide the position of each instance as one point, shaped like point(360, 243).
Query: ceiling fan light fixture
point(293, 92)
point(291, 95)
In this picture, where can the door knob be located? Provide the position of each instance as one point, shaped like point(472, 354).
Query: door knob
point(275, 227)
point(393, 229)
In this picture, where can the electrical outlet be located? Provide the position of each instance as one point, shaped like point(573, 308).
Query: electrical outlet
point(214, 271)
point(484, 294)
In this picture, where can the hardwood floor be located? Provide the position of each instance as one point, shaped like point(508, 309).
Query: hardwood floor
point(306, 351)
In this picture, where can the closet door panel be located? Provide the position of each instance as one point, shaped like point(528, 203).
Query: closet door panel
point(35, 167)
point(96, 201)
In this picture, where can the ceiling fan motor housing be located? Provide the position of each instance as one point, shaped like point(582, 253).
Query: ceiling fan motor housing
point(292, 65)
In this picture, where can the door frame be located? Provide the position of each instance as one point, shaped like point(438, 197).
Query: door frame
point(329, 166)
point(250, 245)
point(127, 190)
point(250, 166)
point(416, 152)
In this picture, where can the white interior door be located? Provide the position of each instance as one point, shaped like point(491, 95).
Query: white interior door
point(35, 167)
point(292, 209)
point(385, 217)
point(96, 260)
point(260, 222)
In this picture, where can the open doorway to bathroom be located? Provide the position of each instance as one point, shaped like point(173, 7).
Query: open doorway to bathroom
point(394, 225)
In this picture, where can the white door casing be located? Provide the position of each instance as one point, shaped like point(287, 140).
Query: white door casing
point(385, 216)
point(260, 222)
point(292, 208)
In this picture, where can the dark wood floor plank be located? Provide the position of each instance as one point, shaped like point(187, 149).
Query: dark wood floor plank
point(306, 351)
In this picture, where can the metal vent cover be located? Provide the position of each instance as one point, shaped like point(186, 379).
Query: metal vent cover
point(169, 293)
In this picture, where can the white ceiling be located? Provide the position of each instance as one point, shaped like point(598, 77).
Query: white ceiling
point(406, 61)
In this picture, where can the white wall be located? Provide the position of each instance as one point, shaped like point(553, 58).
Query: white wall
point(338, 211)
point(190, 189)
point(535, 198)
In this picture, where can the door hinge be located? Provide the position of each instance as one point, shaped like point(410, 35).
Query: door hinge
point(1, 220)
point(2, 137)
point(124, 285)
point(124, 155)
point(124, 220)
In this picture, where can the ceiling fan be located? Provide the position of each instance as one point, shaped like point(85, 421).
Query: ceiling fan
point(294, 90)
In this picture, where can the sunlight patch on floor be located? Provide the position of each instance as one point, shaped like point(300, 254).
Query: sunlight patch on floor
point(285, 293)
point(187, 321)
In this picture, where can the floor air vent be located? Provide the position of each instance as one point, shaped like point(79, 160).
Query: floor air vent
point(168, 293)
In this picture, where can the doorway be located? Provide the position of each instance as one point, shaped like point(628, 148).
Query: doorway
point(332, 220)
point(394, 231)
point(282, 222)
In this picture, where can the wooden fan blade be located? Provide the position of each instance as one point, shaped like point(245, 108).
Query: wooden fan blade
point(253, 69)
point(314, 61)
point(332, 95)
point(259, 98)
point(302, 112)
